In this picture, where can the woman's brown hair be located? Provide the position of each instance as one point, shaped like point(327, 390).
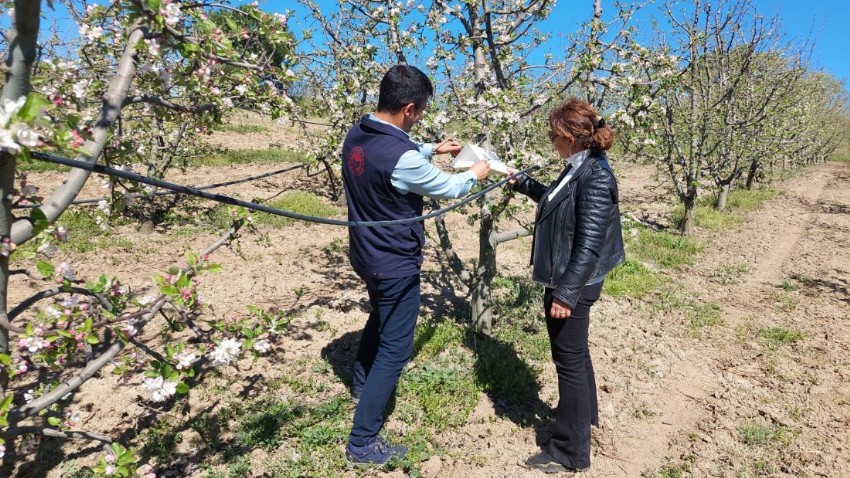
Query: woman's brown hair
point(577, 119)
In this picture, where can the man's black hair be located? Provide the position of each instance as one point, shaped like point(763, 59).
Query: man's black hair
point(401, 85)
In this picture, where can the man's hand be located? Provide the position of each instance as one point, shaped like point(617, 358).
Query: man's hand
point(449, 146)
point(481, 169)
point(559, 309)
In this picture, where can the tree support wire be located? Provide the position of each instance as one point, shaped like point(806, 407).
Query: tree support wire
point(177, 188)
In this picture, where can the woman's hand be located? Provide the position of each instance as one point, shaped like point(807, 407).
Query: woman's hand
point(512, 181)
point(450, 146)
point(559, 309)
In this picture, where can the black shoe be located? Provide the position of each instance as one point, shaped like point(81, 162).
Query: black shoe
point(545, 463)
point(376, 452)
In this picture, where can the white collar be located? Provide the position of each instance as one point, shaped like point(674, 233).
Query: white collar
point(577, 158)
point(379, 120)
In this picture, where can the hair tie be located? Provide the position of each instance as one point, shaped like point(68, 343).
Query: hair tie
point(600, 122)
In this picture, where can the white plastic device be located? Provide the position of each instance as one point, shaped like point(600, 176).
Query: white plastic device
point(472, 153)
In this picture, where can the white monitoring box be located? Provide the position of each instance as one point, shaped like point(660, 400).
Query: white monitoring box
point(473, 153)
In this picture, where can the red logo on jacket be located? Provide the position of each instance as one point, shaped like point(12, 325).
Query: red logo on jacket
point(357, 161)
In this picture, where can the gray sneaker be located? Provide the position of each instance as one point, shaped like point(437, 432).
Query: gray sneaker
point(376, 452)
point(545, 463)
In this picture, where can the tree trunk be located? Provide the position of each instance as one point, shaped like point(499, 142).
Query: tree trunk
point(751, 173)
point(22, 40)
point(481, 303)
point(688, 225)
point(723, 197)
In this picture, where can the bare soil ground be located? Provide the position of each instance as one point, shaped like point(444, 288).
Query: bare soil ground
point(675, 400)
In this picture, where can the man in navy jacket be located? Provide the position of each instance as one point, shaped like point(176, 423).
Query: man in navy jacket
point(386, 175)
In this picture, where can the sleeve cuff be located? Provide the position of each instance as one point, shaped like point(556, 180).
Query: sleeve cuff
point(427, 149)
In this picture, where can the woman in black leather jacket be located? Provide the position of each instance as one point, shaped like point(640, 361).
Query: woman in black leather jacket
point(577, 241)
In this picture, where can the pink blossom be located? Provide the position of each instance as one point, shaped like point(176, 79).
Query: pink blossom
point(78, 139)
point(7, 246)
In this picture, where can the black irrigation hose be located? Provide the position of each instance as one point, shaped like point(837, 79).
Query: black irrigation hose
point(199, 188)
point(101, 169)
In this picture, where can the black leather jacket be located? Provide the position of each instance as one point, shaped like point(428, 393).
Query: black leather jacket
point(577, 235)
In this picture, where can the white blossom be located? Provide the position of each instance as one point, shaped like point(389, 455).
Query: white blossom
point(226, 352)
point(48, 249)
point(262, 346)
point(79, 89)
point(159, 388)
point(171, 12)
point(65, 271)
point(10, 108)
point(184, 360)
point(25, 135)
point(33, 344)
point(8, 143)
point(69, 302)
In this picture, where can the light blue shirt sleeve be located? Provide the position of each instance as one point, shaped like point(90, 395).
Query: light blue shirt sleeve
point(414, 173)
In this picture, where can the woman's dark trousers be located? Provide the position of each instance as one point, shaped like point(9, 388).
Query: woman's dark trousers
point(577, 404)
point(385, 348)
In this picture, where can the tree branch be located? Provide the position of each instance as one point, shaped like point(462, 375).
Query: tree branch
point(113, 99)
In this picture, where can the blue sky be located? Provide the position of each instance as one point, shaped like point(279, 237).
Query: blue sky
point(826, 21)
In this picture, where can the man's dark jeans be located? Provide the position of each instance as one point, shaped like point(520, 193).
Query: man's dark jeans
point(577, 406)
point(385, 348)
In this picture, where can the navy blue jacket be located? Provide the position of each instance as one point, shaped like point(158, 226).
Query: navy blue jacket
point(370, 153)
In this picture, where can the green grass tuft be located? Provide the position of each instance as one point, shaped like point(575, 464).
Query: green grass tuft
point(300, 202)
point(749, 200)
point(776, 336)
point(247, 156)
point(441, 394)
point(242, 128)
point(432, 338)
point(662, 248)
point(263, 428)
point(631, 279)
point(757, 434)
point(697, 314)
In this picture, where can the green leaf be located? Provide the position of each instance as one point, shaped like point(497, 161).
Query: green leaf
point(126, 458)
point(54, 421)
point(155, 5)
point(33, 106)
point(45, 268)
point(182, 388)
point(213, 268)
point(7, 400)
point(39, 221)
point(92, 339)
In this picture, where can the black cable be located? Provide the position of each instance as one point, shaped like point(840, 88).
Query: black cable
point(199, 188)
point(101, 169)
